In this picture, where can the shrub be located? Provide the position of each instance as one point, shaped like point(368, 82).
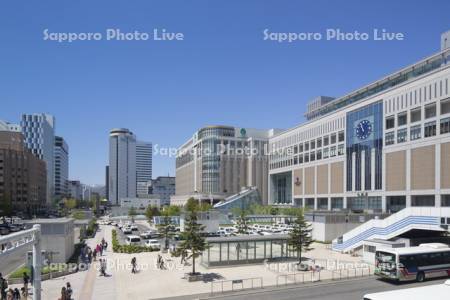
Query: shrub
point(118, 248)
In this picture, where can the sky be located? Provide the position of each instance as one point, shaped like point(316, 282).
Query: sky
point(222, 72)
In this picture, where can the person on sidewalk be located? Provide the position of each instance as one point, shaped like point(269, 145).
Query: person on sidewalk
point(133, 265)
point(94, 254)
point(16, 294)
point(3, 287)
point(69, 290)
point(26, 280)
point(63, 294)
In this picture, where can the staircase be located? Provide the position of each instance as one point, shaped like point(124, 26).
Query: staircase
point(424, 218)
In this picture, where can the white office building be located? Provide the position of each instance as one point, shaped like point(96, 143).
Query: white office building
point(383, 147)
point(61, 167)
point(143, 166)
point(122, 165)
point(39, 133)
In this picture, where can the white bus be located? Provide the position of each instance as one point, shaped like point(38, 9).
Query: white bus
point(413, 263)
point(434, 292)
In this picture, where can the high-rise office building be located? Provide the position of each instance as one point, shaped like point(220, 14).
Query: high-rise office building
point(130, 166)
point(76, 190)
point(143, 166)
point(23, 177)
point(61, 167)
point(39, 133)
point(219, 161)
point(122, 165)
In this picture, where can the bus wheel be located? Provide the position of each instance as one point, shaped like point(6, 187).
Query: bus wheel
point(420, 277)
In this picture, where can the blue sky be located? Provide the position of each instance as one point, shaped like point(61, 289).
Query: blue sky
point(222, 73)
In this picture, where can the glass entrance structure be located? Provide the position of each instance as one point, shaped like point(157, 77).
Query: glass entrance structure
point(239, 250)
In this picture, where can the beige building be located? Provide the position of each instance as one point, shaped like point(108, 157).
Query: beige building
point(218, 161)
point(22, 176)
point(383, 147)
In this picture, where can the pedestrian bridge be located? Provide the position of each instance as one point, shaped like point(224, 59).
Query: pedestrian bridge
point(422, 218)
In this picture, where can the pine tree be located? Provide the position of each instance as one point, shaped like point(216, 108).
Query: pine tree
point(165, 228)
point(300, 237)
point(193, 243)
point(242, 221)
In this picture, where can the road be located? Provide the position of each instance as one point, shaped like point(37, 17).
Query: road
point(14, 260)
point(344, 290)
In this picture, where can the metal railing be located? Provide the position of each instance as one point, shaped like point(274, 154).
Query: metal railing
point(350, 273)
point(296, 278)
point(223, 286)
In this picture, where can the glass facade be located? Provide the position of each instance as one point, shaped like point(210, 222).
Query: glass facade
point(247, 249)
point(281, 188)
point(365, 133)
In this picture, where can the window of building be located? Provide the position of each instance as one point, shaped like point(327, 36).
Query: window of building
point(313, 145)
point(415, 132)
point(306, 146)
point(416, 115)
point(389, 138)
point(312, 156)
point(325, 153)
point(430, 129)
point(326, 140)
point(430, 111)
point(445, 125)
point(445, 200)
point(422, 200)
point(445, 106)
point(341, 149)
point(402, 119)
point(390, 122)
point(295, 160)
point(402, 135)
point(306, 157)
point(341, 136)
point(295, 149)
point(333, 151)
point(319, 154)
point(300, 159)
point(300, 148)
point(333, 138)
point(337, 203)
point(319, 142)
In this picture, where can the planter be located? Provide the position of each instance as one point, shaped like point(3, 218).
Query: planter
point(194, 277)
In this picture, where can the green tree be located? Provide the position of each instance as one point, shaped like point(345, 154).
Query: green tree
point(150, 212)
point(241, 220)
point(300, 237)
point(70, 203)
point(6, 208)
point(193, 243)
point(191, 205)
point(165, 229)
point(173, 210)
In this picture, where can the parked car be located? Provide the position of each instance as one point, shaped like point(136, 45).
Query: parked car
point(133, 240)
point(4, 229)
point(15, 228)
point(134, 228)
point(154, 244)
point(149, 234)
point(127, 230)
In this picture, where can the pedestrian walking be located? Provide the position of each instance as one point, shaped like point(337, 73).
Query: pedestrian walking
point(69, 290)
point(133, 265)
point(26, 280)
point(10, 295)
point(101, 249)
point(3, 287)
point(94, 254)
point(63, 294)
point(16, 294)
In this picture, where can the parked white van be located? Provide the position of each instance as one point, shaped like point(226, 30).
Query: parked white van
point(133, 240)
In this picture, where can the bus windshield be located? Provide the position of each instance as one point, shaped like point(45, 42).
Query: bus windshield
point(385, 262)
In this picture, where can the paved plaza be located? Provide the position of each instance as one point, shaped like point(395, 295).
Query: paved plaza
point(151, 282)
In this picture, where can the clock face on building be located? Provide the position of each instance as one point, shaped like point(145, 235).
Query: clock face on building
point(363, 129)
